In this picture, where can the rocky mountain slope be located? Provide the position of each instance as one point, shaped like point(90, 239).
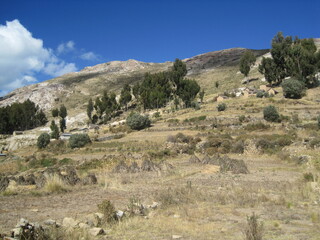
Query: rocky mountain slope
point(74, 89)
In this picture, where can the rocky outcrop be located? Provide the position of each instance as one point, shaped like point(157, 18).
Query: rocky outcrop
point(146, 166)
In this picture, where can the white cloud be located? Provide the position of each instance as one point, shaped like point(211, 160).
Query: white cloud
point(65, 47)
point(22, 56)
point(90, 56)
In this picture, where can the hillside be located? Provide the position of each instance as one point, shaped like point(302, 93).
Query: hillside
point(194, 174)
point(74, 89)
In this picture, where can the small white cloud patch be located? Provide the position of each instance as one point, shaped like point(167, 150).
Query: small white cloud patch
point(22, 56)
point(65, 47)
point(90, 56)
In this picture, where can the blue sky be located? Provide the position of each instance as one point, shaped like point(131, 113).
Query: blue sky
point(55, 37)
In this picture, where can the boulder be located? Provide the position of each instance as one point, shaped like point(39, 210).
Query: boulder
point(96, 231)
point(69, 175)
point(90, 179)
point(69, 222)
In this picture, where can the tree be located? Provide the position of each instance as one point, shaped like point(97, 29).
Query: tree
point(55, 112)
point(63, 111)
point(271, 114)
point(201, 95)
point(291, 58)
point(54, 130)
point(62, 124)
point(90, 109)
point(21, 116)
point(246, 62)
point(188, 90)
point(125, 96)
point(293, 88)
point(137, 122)
point(43, 140)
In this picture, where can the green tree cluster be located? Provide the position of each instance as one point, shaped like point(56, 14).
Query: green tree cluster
point(296, 58)
point(106, 107)
point(20, 117)
point(158, 89)
point(62, 113)
point(125, 96)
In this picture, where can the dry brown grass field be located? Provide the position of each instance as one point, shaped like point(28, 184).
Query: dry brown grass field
point(196, 200)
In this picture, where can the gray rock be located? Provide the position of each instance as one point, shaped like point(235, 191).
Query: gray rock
point(84, 226)
point(69, 222)
point(120, 214)
point(90, 179)
point(50, 222)
point(96, 231)
point(176, 236)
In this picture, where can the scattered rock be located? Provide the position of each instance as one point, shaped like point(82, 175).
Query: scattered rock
point(96, 231)
point(69, 175)
point(51, 222)
point(149, 166)
point(303, 159)
point(26, 230)
point(90, 179)
point(119, 214)
point(227, 164)
point(134, 168)
point(4, 183)
point(84, 226)
point(92, 220)
point(69, 222)
point(122, 167)
point(194, 159)
point(176, 236)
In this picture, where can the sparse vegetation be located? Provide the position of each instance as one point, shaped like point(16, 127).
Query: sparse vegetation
point(108, 210)
point(254, 229)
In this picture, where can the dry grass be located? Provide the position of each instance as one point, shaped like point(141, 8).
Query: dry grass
point(55, 184)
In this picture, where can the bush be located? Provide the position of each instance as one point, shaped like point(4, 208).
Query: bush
point(293, 88)
point(319, 121)
point(108, 210)
point(137, 122)
point(79, 140)
point(271, 114)
point(43, 140)
point(221, 107)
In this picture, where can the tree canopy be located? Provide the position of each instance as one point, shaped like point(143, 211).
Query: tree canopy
point(296, 58)
point(20, 117)
point(246, 62)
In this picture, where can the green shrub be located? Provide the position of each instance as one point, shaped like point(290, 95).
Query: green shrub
point(221, 107)
point(79, 140)
point(137, 122)
point(242, 118)
point(271, 114)
point(293, 88)
point(43, 140)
